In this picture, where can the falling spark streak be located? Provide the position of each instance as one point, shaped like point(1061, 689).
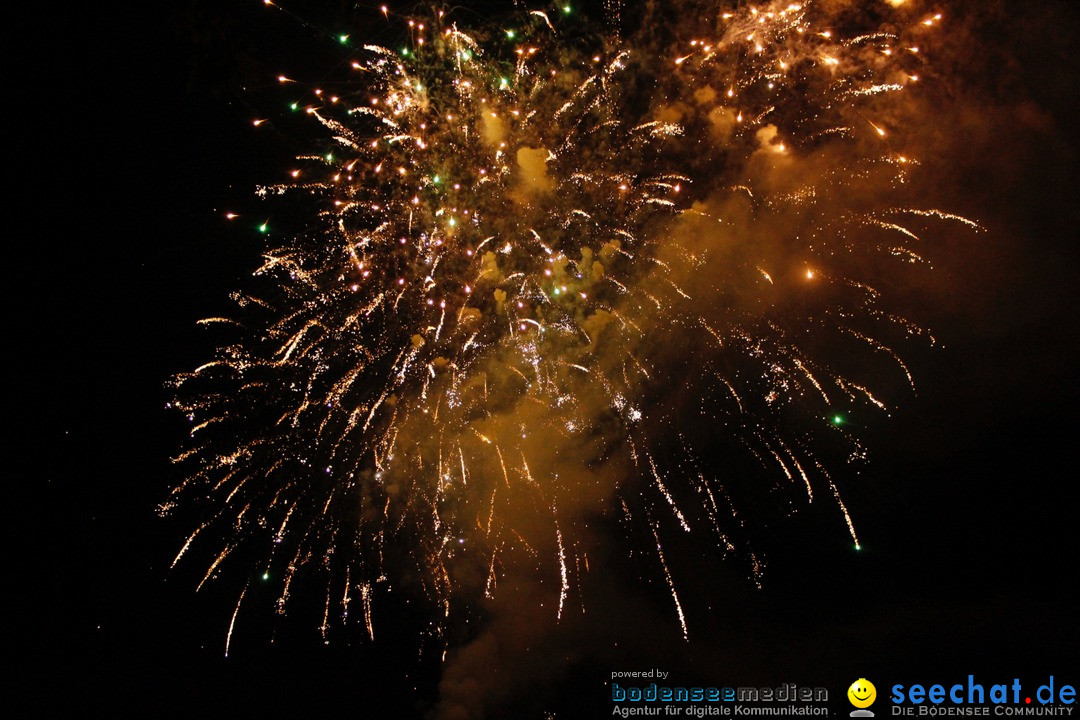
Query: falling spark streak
point(897, 228)
point(842, 506)
point(810, 376)
point(941, 215)
point(213, 566)
point(802, 473)
point(564, 588)
point(232, 622)
point(667, 495)
point(877, 345)
point(868, 394)
point(492, 577)
point(365, 595)
point(670, 582)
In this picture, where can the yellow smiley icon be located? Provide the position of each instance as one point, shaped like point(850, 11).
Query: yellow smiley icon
point(862, 693)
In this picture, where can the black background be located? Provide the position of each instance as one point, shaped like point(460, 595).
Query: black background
point(969, 529)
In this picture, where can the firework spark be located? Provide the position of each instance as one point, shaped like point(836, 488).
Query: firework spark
point(547, 275)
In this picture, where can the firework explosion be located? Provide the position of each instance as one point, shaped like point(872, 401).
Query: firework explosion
point(551, 277)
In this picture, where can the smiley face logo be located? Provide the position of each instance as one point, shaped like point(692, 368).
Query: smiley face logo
point(862, 693)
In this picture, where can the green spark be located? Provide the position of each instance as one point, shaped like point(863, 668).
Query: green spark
point(343, 39)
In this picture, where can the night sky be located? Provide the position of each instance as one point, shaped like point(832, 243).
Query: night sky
point(967, 517)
